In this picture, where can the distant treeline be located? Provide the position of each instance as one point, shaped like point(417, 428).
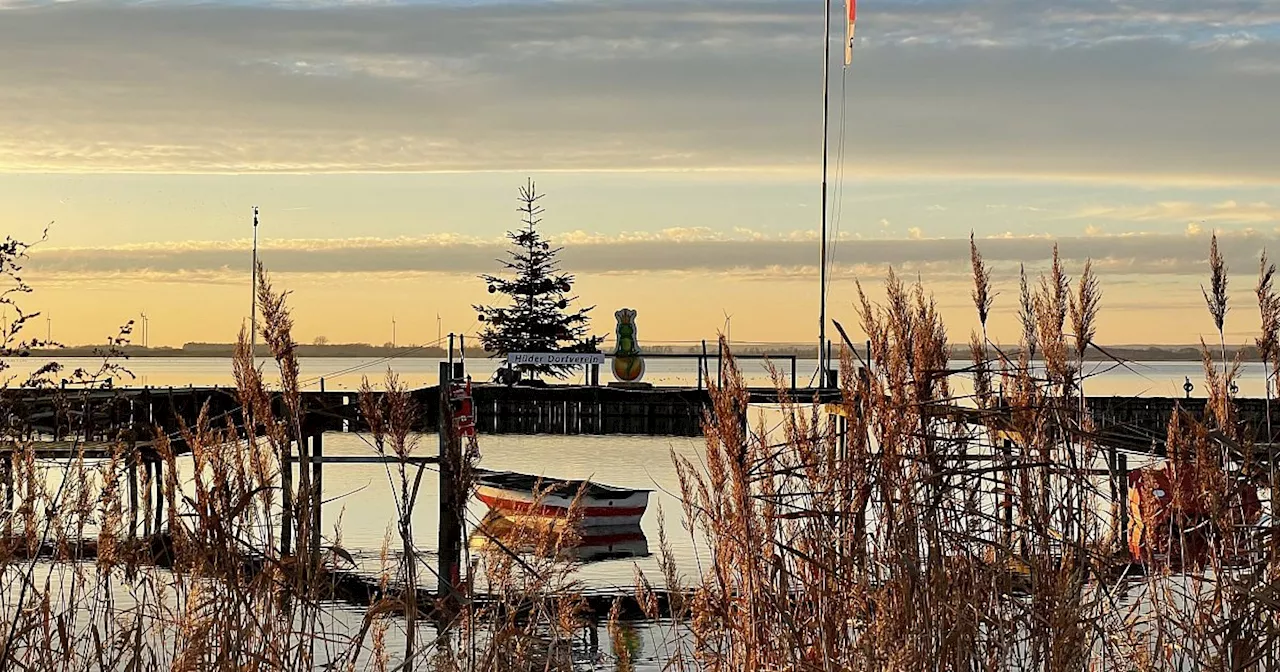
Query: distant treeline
point(959, 353)
point(365, 350)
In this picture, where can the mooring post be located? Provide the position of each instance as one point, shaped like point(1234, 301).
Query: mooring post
point(286, 497)
point(8, 481)
point(704, 370)
point(831, 374)
point(159, 488)
point(1122, 475)
point(131, 462)
point(1007, 499)
point(449, 532)
point(322, 383)
point(317, 483)
point(720, 364)
point(147, 507)
point(793, 374)
point(1113, 474)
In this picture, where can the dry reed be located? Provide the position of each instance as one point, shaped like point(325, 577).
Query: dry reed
point(906, 527)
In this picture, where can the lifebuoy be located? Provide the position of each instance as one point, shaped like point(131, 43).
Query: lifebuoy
point(463, 415)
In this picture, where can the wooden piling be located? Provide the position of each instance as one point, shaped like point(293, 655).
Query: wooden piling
point(8, 482)
point(317, 483)
point(147, 506)
point(159, 488)
point(286, 497)
point(1113, 467)
point(1006, 502)
point(1122, 473)
point(131, 469)
point(449, 531)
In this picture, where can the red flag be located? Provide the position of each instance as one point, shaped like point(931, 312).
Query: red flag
point(852, 7)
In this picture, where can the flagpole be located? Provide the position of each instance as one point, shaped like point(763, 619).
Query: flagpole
point(253, 311)
point(822, 304)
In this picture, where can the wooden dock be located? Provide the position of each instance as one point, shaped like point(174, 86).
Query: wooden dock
point(102, 422)
point(95, 418)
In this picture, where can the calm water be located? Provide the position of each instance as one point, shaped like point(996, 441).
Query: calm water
point(363, 497)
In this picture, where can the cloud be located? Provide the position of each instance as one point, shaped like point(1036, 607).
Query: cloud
point(699, 252)
point(1142, 90)
point(1227, 212)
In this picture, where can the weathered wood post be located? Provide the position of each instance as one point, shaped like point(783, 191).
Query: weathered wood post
point(703, 368)
point(159, 488)
point(1113, 474)
point(286, 494)
point(1122, 473)
point(147, 506)
point(449, 532)
point(317, 483)
point(8, 481)
point(720, 364)
point(1006, 502)
point(131, 462)
point(833, 375)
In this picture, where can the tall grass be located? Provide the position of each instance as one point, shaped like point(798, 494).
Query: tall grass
point(81, 588)
point(936, 531)
point(908, 526)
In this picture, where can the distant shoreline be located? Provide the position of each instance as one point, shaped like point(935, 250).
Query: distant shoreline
point(959, 353)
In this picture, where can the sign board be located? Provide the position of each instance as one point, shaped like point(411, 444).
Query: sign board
point(555, 358)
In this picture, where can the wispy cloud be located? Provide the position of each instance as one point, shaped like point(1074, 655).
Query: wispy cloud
point(1153, 89)
point(1229, 212)
point(778, 256)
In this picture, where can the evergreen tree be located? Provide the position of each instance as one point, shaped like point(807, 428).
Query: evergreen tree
point(537, 317)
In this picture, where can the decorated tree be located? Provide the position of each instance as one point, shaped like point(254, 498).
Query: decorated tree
point(537, 317)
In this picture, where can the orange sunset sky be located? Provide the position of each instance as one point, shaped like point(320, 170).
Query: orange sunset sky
point(677, 142)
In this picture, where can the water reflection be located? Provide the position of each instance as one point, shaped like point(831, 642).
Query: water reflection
point(593, 544)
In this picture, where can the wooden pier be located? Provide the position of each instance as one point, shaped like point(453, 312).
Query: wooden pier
point(105, 422)
point(102, 417)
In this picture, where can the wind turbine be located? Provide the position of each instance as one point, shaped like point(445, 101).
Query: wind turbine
point(144, 329)
point(728, 327)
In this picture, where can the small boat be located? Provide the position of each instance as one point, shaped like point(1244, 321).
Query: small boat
point(591, 545)
point(523, 496)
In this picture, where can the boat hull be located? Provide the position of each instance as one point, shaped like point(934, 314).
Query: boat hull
point(590, 545)
point(624, 509)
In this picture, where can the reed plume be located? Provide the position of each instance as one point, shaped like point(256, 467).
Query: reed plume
point(1215, 295)
point(982, 296)
point(1084, 309)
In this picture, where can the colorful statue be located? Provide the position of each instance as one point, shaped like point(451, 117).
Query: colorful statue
point(628, 365)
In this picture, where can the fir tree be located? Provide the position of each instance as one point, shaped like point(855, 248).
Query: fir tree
point(537, 317)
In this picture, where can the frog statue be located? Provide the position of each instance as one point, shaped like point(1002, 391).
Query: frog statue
point(628, 365)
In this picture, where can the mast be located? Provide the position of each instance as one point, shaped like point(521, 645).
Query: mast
point(253, 311)
point(822, 264)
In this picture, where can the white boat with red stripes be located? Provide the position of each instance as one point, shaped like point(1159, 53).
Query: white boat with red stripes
point(524, 496)
point(591, 544)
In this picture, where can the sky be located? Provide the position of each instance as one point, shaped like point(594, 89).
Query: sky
point(678, 143)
